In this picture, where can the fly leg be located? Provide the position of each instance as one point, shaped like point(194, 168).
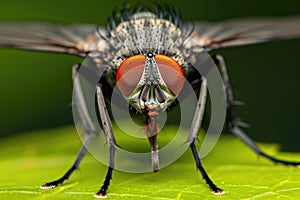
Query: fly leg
point(109, 134)
point(197, 120)
point(89, 129)
point(233, 122)
point(74, 167)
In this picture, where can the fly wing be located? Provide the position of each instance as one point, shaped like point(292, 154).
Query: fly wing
point(245, 31)
point(70, 39)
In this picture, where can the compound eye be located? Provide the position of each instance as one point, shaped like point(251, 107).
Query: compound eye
point(129, 73)
point(171, 72)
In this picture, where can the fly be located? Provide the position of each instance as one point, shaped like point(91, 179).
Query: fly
point(150, 79)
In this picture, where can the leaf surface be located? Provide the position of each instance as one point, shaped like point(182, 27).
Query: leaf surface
point(28, 160)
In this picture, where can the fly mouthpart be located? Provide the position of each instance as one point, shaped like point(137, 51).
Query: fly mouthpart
point(161, 97)
point(152, 97)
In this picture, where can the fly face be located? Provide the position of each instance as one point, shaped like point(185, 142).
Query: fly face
point(150, 81)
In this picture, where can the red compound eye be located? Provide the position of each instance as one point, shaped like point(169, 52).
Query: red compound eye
point(129, 73)
point(171, 72)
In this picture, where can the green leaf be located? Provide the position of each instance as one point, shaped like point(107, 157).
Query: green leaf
point(29, 160)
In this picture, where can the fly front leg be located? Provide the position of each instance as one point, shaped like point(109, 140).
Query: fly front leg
point(88, 127)
point(197, 120)
point(74, 167)
point(110, 138)
point(233, 123)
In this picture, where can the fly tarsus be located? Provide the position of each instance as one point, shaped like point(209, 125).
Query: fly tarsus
point(275, 160)
point(52, 184)
point(102, 192)
point(59, 181)
point(215, 190)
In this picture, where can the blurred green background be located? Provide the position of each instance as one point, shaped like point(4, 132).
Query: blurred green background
point(36, 88)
